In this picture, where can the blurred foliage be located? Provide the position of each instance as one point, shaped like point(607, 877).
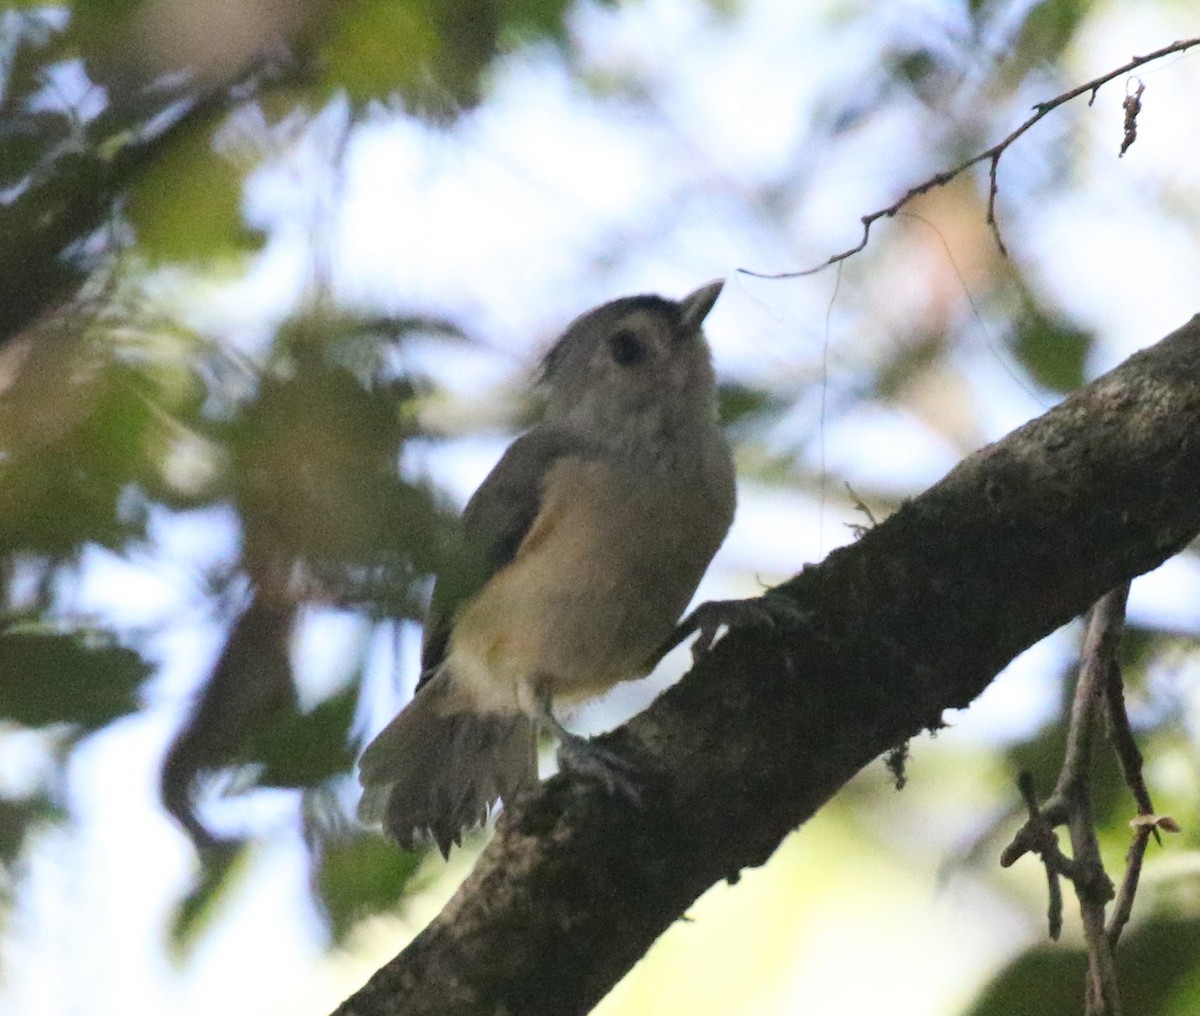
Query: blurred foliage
point(1048, 29)
point(1156, 968)
point(356, 876)
point(128, 131)
point(431, 53)
point(18, 817)
point(221, 873)
point(86, 679)
point(306, 749)
point(1053, 351)
point(116, 161)
point(187, 206)
point(741, 405)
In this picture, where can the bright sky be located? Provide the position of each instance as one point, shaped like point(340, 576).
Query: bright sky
point(541, 204)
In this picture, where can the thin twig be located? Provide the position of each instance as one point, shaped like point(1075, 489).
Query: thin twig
point(1105, 624)
point(1123, 908)
point(1121, 734)
point(1037, 834)
point(992, 154)
point(1071, 804)
point(1093, 887)
point(1147, 823)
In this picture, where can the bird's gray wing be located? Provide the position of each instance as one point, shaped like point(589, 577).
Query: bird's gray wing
point(494, 523)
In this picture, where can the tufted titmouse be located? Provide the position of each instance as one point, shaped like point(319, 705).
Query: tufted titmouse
point(593, 530)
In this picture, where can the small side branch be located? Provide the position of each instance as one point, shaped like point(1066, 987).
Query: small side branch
point(1071, 804)
point(1147, 823)
point(993, 155)
point(1093, 887)
point(1099, 692)
point(1037, 835)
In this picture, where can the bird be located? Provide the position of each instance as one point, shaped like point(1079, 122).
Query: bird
point(588, 539)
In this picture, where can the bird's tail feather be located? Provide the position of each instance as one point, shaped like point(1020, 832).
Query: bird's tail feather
point(437, 768)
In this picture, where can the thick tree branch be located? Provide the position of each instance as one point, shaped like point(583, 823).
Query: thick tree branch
point(916, 617)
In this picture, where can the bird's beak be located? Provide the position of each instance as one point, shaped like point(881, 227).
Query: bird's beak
point(694, 307)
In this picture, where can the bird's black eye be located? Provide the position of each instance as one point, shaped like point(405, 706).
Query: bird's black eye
point(627, 349)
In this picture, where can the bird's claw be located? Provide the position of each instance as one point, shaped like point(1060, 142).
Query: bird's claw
point(769, 611)
point(584, 756)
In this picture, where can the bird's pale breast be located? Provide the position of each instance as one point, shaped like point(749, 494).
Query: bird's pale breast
point(597, 584)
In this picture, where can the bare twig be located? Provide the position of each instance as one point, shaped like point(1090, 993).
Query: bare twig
point(1071, 804)
point(1147, 823)
point(1099, 688)
point(860, 529)
point(1093, 887)
point(1037, 835)
point(992, 156)
point(1123, 907)
point(1121, 735)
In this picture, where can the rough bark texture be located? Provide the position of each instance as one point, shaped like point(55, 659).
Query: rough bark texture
point(916, 617)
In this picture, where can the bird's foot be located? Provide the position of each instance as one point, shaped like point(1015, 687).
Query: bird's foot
point(584, 756)
point(772, 610)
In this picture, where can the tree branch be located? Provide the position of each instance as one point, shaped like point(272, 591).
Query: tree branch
point(1147, 823)
point(1099, 691)
point(992, 156)
point(916, 617)
point(1071, 804)
point(1093, 887)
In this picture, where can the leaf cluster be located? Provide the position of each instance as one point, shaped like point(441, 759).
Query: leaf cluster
point(129, 132)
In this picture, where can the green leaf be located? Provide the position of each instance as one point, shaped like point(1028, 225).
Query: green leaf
point(914, 66)
point(979, 9)
point(80, 677)
point(1049, 28)
point(224, 868)
point(1045, 979)
point(101, 17)
point(529, 19)
point(360, 876)
point(27, 140)
point(380, 47)
point(314, 471)
point(79, 435)
point(17, 818)
point(433, 54)
point(187, 207)
point(909, 363)
point(739, 404)
point(1156, 971)
point(1156, 966)
point(303, 750)
point(1052, 350)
